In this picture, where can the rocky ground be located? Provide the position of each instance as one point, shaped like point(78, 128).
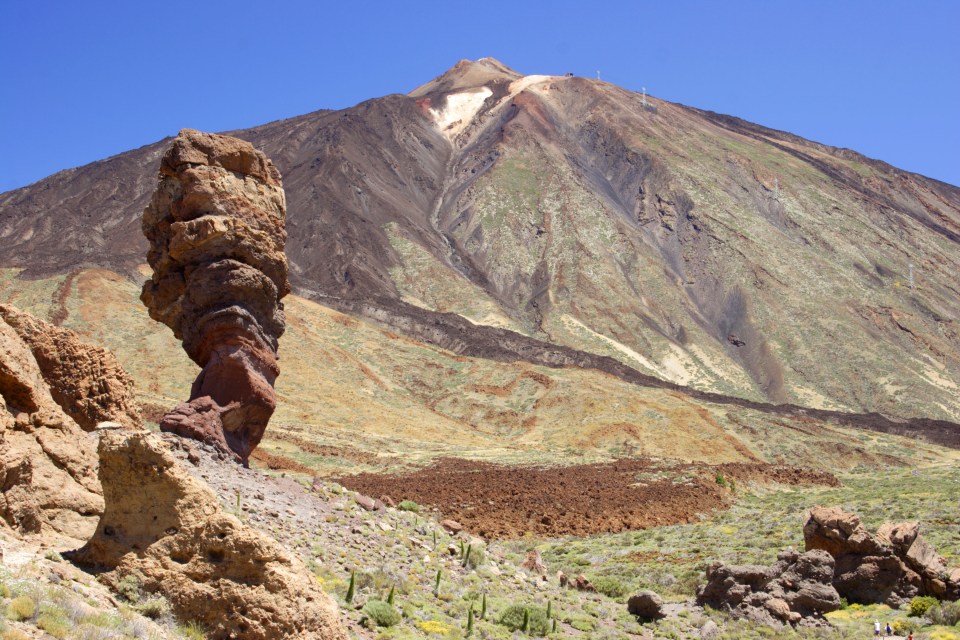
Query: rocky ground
point(392, 548)
point(336, 534)
point(43, 596)
point(499, 501)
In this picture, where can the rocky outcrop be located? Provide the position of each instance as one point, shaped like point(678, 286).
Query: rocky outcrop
point(48, 465)
point(796, 590)
point(216, 232)
point(891, 567)
point(168, 530)
point(87, 381)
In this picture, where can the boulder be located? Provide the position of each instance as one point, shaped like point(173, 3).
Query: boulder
point(216, 231)
point(709, 631)
point(580, 583)
point(368, 504)
point(452, 526)
point(795, 590)
point(534, 563)
point(891, 567)
point(168, 530)
point(646, 605)
point(48, 465)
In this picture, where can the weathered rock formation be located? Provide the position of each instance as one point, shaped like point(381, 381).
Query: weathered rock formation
point(87, 381)
point(168, 529)
point(796, 590)
point(216, 232)
point(48, 465)
point(891, 567)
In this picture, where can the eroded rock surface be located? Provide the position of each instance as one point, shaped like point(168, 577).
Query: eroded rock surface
point(87, 381)
point(168, 529)
point(216, 230)
point(891, 567)
point(796, 590)
point(48, 465)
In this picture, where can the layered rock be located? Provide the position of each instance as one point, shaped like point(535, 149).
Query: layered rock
point(891, 567)
point(216, 230)
point(48, 465)
point(87, 381)
point(168, 530)
point(797, 589)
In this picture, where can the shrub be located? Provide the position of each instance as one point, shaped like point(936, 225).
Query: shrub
point(434, 627)
point(583, 623)
point(537, 623)
point(21, 608)
point(409, 505)
point(945, 613)
point(53, 556)
point(192, 631)
point(54, 623)
point(904, 626)
point(154, 607)
point(610, 587)
point(14, 634)
point(128, 588)
point(382, 614)
point(920, 605)
point(721, 480)
point(476, 558)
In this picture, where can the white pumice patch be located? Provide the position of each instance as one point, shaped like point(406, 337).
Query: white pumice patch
point(459, 110)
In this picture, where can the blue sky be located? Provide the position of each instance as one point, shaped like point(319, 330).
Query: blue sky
point(80, 81)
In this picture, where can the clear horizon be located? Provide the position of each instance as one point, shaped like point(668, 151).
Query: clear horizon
point(90, 82)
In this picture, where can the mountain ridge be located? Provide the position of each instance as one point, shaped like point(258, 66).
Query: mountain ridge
point(565, 211)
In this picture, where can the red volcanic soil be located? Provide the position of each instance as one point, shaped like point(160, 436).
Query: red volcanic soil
point(495, 501)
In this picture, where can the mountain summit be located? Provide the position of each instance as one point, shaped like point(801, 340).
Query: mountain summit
point(561, 219)
point(469, 74)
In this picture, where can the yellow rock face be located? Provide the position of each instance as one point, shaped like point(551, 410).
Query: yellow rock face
point(47, 463)
point(167, 528)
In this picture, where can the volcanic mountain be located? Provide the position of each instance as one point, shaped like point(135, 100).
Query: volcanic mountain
point(561, 221)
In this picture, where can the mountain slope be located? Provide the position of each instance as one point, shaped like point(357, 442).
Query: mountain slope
point(357, 396)
point(693, 247)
